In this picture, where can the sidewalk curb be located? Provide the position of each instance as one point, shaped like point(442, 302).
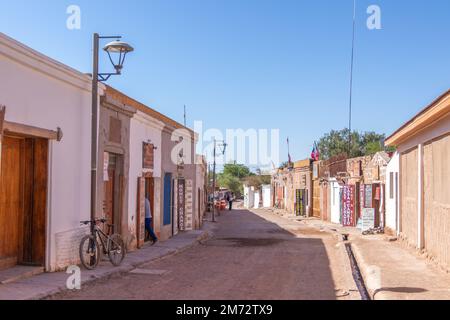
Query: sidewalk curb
point(375, 290)
point(205, 235)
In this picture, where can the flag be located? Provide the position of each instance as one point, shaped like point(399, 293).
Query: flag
point(317, 154)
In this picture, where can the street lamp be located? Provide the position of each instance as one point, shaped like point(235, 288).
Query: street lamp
point(224, 146)
point(116, 48)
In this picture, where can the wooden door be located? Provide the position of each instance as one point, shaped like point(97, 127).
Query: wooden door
point(108, 205)
point(150, 195)
point(11, 204)
point(35, 202)
point(316, 199)
point(140, 214)
point(111, 197)
point(23, 201)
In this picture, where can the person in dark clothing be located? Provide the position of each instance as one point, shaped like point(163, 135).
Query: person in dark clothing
point(230, 200)
point(148, 221)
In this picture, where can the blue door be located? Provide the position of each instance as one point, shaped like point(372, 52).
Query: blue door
point(167, 198)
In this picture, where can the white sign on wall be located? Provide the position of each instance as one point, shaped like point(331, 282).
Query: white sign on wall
point(368, 219)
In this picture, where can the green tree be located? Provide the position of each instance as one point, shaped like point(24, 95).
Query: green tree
point(233, 176)
point(237, 170)
point(336, 143)
point(231, 183)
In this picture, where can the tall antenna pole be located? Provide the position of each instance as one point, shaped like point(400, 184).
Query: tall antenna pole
point(289, 151)
point(185, 115)
point(351, 83)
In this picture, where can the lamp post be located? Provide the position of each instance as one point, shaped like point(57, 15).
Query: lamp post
point(114, 48)
point(224, 145)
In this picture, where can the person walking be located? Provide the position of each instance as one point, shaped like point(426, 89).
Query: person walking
point(148, 221)
point(230, 200)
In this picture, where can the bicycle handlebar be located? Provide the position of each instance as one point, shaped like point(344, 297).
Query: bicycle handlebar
point(102, 220)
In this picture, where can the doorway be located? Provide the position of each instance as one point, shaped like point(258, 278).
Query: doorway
point(150, 195)
point(112, 187)
point(23, 201)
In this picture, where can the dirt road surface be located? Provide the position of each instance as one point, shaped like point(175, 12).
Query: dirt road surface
point(252, 256)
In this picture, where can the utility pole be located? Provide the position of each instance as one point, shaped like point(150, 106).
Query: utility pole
point(214, 176)
point(94, 133)
point(214, 184)
point(351, 83)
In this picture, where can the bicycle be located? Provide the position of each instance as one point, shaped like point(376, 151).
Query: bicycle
point(90, 250)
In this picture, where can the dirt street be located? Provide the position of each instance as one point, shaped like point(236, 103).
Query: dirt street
point(253, 255)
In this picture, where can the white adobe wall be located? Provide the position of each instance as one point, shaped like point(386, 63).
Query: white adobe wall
point(266, 195)
point(335, 199)
point(41, 92)
point(143, 128)
point(392, 203)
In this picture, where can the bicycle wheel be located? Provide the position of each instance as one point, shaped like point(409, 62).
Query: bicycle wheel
point(116, 251)
point(89, 252)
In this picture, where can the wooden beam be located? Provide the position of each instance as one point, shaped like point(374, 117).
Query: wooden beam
point(22, 129)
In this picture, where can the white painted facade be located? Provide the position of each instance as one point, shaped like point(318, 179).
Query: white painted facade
point(144, 129)
point(41, 92)
point(257, 200)
point(266, 195)
point(200, 194)
point(249, 197)
point(335, 200)
point(392, 193)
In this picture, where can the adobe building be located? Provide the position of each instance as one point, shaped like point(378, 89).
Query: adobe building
point(302, 184)
point(423, 144)
point(162, 170)
point(114, 164)
point(202, 190)
point(45, 158)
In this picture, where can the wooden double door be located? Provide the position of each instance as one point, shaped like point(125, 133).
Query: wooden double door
point(23, 201)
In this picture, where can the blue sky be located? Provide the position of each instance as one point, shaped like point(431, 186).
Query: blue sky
point(258, 63)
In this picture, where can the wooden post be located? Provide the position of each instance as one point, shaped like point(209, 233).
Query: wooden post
point(140, 219)
point(2, 120)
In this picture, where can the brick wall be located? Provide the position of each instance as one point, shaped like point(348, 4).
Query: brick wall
point(67, 247)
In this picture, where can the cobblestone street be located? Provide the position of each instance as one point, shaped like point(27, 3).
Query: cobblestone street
point(255, 256)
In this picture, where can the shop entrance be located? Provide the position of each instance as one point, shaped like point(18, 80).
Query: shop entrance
point(150, 195)
point(23, 201)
